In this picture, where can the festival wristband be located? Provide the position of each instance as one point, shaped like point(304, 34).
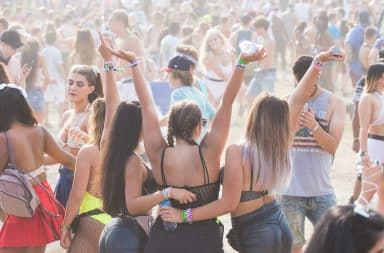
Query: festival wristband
point(317, 63)
point(165, 192)
point(134, 62)
point(189, 215)
point(184, 216)
point(241, 63)
point(64, 227)
point(110, 66)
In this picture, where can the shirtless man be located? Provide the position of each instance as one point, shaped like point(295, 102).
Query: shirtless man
point(365, 49)
point(265, 76)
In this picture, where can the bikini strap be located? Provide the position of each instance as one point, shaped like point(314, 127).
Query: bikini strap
point(205, 169)
point(251, 184)
point(11, 157)
point(164, 182)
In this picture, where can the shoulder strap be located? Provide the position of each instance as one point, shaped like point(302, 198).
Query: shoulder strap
point(11, 157)
point(205, 169)
point(251, 184)
point(164, 182)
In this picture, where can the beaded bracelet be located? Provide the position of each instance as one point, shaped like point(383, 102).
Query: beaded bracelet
point(189, 215)
point(110, 66)
point(165, 192)
point(184, 216)
point(317, 64)
point(134, 62)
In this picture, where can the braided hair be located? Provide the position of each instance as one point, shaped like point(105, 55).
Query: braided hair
point(183, 120)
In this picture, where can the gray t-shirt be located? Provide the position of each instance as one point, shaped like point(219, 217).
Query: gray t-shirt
point(311, 164)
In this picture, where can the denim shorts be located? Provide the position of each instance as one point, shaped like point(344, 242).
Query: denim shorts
point(35, 98)
point(262, 81)
point(264, 230)
point(122, 235)
point(64, 185)
point(297, 208)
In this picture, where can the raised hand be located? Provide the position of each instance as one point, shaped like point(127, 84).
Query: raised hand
point(329, 55)
point(125, 55)
point(105, 48)
point(257, 56)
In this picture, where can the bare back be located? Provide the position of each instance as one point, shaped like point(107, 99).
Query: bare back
point(27, 148)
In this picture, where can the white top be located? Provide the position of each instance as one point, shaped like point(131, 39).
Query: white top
point(53, 59)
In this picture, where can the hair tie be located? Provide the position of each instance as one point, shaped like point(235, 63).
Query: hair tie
point(95, 70)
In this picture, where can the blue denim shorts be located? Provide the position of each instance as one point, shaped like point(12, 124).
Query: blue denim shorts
point(264, 230)
point(262, 81)
point(35, 98)
point(122, 235)
point(297, 208)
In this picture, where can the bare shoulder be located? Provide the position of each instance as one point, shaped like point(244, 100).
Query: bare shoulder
point(89, 150)
point(134, 162)
point(234, 150)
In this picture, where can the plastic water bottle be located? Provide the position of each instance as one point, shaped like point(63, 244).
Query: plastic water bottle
point(248, 47)
point(167, 224)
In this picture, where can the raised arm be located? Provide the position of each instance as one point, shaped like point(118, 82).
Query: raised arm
point(153, 139)
point(217, 136)
point(307, 84)
point(110, 91)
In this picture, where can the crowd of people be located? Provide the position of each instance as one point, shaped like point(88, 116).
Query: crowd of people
point(140, 97)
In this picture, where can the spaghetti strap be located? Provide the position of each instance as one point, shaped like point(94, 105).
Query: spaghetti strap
point(251, 184)
point(9, 150)
point(205, 169)
point(164, 182)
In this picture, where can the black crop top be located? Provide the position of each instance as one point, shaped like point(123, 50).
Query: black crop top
point(247, 195)
point(205, 194)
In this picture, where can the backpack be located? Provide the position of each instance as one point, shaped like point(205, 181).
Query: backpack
point(17, 196)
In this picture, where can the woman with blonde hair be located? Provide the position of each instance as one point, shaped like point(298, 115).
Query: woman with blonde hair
point(83, 215)
point(256, 169)
point(84, 86)
point(217, 61)
point(371, 114)
point(84, 51)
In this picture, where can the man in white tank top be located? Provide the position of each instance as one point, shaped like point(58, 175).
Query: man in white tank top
point(319, 130)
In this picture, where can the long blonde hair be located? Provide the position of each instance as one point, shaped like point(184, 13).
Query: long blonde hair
point(206, 50)
point(96, 121)
point(266, 142)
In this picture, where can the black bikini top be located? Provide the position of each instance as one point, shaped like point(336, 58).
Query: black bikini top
point(247, 195)
point(149, 186)
point(204, 193)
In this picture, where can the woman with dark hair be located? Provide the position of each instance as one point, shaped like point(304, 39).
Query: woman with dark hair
point(371, 115)
point(84, 86)
point(183, 164)
point(23, 144)
point(37, 79)
point(348, 229)
point(84, 51)
point(255, 170)
point(129, 190)
point(85, 199)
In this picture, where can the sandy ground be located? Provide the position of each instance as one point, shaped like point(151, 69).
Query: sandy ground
point(343, 172)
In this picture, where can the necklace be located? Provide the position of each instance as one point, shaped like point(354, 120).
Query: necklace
point(317, 87)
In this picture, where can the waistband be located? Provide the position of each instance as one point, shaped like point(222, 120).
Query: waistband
point(259, 214)
point(213, 79)
point(260, 71)
point(376, 137)
point(66, 173)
